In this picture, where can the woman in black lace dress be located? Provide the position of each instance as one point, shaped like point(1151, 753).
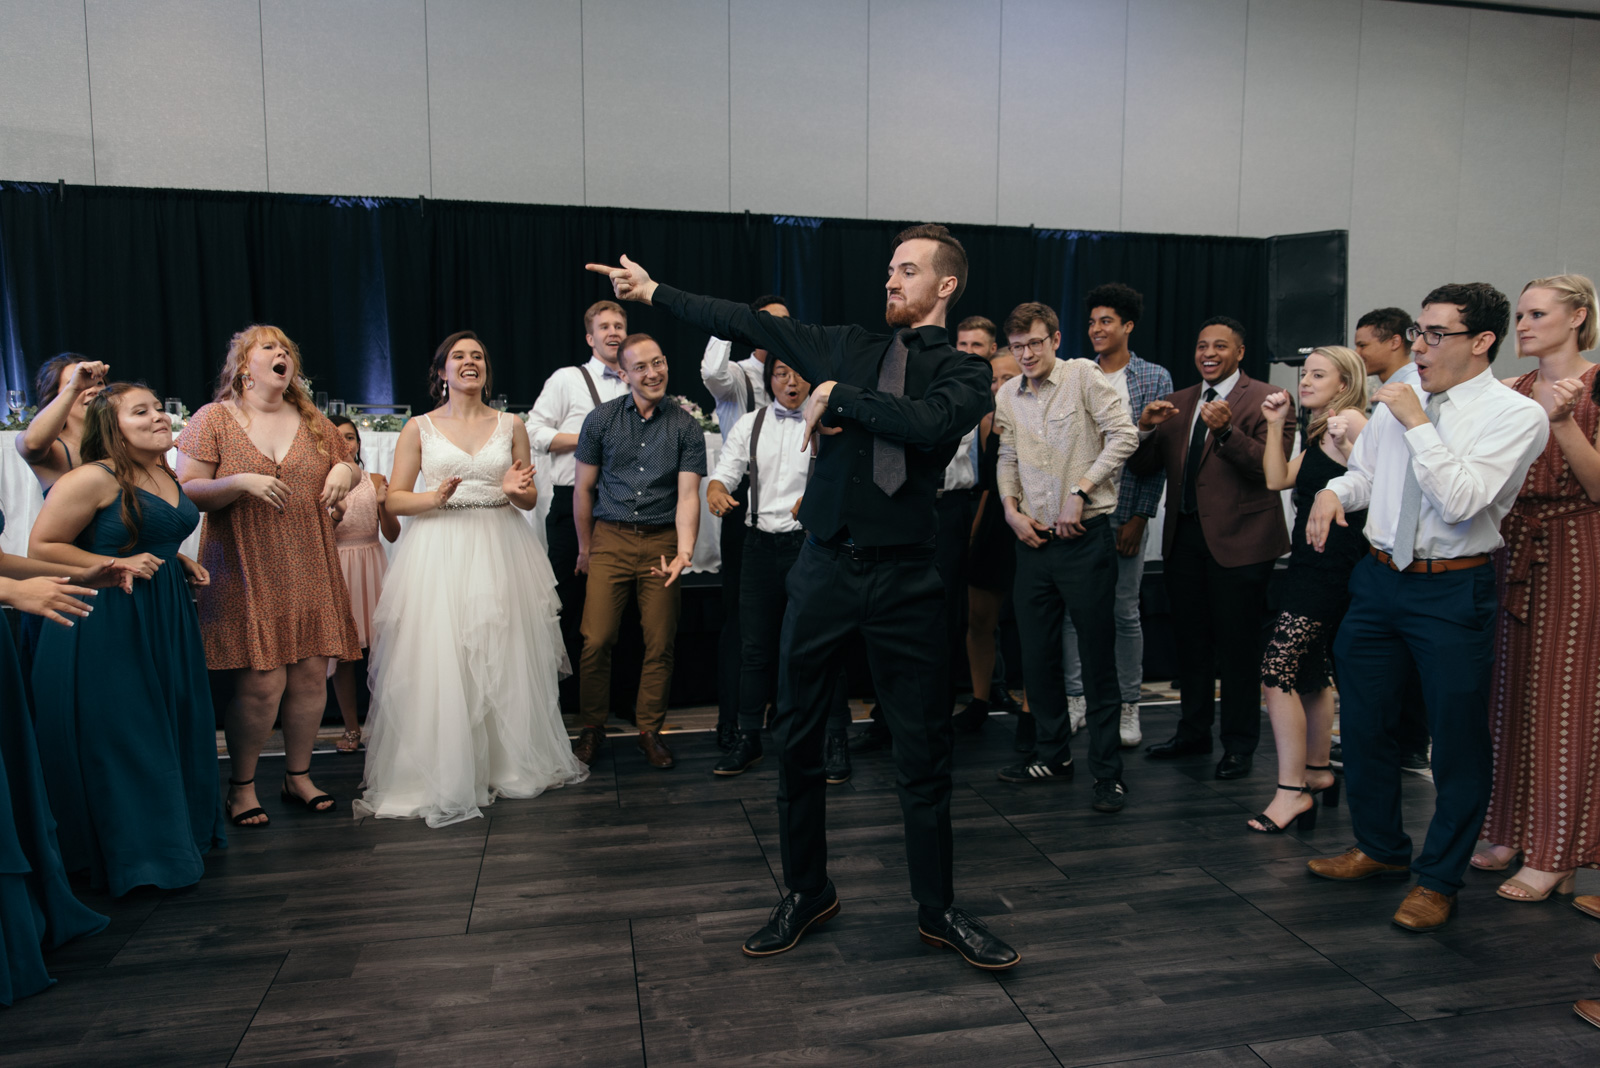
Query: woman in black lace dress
point(1297, 670)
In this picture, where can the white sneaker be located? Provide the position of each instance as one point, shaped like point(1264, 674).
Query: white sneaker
point(1077, 713)
point(1130, 725)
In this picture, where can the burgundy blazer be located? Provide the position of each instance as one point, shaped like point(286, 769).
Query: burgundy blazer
point(1241, 518)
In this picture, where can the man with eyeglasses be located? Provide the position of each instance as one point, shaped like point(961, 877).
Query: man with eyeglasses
point(1437, 468)
point(1064, 433)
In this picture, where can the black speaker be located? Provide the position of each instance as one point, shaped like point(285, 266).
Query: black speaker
point(1307, 293)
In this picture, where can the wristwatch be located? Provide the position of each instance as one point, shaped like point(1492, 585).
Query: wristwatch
point(1077, 491)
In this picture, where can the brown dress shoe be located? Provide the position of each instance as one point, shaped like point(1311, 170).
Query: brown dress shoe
point(1424, 909)
point(655, 750)
point(1353, 865)
point(1587, 903)
point(588, 744)
point(1589, 1010)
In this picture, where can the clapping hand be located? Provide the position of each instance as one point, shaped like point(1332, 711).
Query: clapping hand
point(670, 570)
point(143, 565)
point(108, 572)
point(1563, 400)
point(628, 282)
point(446, 490)
point(1276, 408)
point(1216, 414)
point(1155, 413)
point(380, 486)
point(518, 479)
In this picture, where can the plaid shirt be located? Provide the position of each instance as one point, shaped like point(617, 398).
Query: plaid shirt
point(1139, 495)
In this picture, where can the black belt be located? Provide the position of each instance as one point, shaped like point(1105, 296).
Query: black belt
point(953, 494)
point(923, 550)
point(777, 537)
point(637, 528)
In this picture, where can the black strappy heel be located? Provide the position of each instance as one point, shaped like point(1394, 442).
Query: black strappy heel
point(311, 805)
point(1330, 792)
point(238, 819)
point(1305, 821)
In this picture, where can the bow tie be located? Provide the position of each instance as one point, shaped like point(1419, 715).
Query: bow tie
point(610, 373)
point(788, 413)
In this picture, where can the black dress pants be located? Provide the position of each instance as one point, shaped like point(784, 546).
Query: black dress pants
point(764, 598)
point(731, 542)
point(561, 538)
point(1076, 577)
point(895, 608)
point(1218, 614)
point(950, 557)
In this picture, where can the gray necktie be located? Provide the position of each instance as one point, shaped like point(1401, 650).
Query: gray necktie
point(889, 457)
point(1405, 528)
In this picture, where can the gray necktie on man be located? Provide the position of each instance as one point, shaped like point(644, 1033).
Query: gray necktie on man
point(1405, 528)
point(889, 457)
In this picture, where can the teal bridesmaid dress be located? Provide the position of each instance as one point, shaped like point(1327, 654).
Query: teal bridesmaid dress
point(127, 736)
point(37, 909)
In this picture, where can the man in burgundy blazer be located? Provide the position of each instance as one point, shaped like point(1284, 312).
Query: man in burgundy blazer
point(1224, 531)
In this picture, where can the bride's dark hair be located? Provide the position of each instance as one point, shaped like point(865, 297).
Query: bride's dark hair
point(442, 353)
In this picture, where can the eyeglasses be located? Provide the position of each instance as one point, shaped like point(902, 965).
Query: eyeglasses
point(1435, 338)
point(1034, 343)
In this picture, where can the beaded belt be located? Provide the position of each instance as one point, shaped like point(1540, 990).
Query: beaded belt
point(476, 504)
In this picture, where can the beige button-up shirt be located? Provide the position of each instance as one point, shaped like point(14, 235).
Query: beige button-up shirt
point(1074, 427)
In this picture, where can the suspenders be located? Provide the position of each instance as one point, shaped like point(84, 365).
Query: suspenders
point(588, 380)
point(755, 477)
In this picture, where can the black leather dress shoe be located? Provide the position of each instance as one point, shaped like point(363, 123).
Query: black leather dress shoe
point(727, 736)
point(836, 759)
point(1234, 766)
point(746, 753)
point(967, 935)
point(971, 719)
point(1176, 747)
point(795, 914)
point(870, 740)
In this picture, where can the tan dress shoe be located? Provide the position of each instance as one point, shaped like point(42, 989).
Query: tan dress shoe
point(588, 744)
point(655, 750)
point(1589, 1010)
point(1353, 865)
point(1424, 909)
point(1587, 903)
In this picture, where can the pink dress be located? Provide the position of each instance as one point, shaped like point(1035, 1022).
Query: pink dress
point(361, 555)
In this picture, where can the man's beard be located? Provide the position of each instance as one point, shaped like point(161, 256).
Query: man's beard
point(906, 313)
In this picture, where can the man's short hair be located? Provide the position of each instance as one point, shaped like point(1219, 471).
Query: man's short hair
point(1484, 309)
point(601, 306)
point(1232, 324)
point(629, 342)
point(978, 322)
point(1023, 316)
point(1121, 298)
point(768, 301)
point(949, 259)
point(1386, 323)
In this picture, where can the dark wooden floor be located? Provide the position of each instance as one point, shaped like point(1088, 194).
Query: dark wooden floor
point(600, 925)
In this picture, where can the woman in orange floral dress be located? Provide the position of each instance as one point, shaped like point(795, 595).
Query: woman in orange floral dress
point(1545, 686)
point(265, 466)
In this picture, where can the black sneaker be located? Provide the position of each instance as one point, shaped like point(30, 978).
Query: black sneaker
point(1109, 795)
point(745, 754)
point(1037, 771)
point(1417, 763)
point(836, 759)
point(1336, 756)
point(1027, 733)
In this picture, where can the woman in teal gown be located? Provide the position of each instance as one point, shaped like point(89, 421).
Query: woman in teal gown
point(37, 909)
point(123, 711)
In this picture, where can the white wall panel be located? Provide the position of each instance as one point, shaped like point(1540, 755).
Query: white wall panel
point(44, 92)
point(347, 97)
point(799, 106)
point(655, 103)
point(1299, 116)
point(1061, 88)
point(934, 105)
point(1578, 240)
point(1185, 114)
point(505, 100)
point(1409, 115)
point(177, 93)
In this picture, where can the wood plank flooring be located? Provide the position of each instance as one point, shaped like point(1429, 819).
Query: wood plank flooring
point(600, 925)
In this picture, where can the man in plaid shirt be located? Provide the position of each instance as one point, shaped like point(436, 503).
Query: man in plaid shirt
point(1113, 309)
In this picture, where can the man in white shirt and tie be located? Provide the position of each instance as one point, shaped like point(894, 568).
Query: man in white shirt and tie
point(1437, 468)
point(739, 387)
point(569, 395)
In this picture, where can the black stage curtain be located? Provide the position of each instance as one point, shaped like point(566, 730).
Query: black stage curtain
point(154, 282)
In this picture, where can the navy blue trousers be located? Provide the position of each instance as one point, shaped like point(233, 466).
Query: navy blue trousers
point(1444, 625)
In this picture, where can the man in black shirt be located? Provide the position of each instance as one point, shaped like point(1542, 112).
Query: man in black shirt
point(886, 414)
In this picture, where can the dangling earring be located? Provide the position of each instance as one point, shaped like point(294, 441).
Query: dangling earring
point(446, 388)
point(249, 381)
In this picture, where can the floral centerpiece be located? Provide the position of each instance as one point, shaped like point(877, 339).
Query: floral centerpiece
point(383, 424)
point(707, 423)
point(180, 420)
point(20, 420)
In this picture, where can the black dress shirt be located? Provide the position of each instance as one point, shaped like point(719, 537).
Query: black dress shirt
point(946, 393)
point(639, 459)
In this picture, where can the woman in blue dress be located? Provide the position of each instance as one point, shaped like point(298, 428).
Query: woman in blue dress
point(123, 710)
point(37, 909)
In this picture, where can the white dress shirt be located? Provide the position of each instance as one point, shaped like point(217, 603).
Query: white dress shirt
point(781, 462)
point(1470, 467)
point(738, 387)
point(963, 470)
point(560, 409)
point(1223, 388)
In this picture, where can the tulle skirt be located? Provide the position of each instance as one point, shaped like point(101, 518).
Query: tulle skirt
point(466, 654)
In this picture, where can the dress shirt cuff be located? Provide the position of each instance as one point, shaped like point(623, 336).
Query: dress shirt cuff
point(1423, 437)
point(540, 437)
point(1143, 433)
point(1346, 489)
point(842, 403)
point(1101, 471)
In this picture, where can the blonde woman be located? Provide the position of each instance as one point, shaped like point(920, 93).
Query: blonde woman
point(1297, 670)
point(266, 466)
point(1545, 681)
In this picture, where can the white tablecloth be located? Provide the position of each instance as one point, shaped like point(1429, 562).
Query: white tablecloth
point(20, 498)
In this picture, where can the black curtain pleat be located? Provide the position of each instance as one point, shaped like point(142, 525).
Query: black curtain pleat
point(155, 281)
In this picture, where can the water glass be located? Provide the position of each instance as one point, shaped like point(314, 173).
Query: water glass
point(172, 406)
point(501, 402)
point(322, 403)
point(336, 406)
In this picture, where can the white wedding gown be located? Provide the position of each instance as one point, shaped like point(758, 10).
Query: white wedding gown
point(466, 654)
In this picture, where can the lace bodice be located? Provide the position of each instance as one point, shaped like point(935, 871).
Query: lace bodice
point(480, 473)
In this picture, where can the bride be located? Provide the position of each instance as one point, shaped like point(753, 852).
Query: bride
point(467, 648)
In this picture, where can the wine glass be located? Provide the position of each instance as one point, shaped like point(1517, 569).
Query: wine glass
point(16, 400)
point(502, 402)
point(322, 403)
